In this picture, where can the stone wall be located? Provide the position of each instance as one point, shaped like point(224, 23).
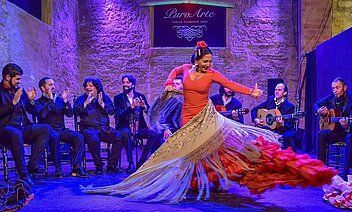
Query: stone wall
point(24, 40)
point(316, 23)
point(41, 49)
point(114, 38)
point(342, 15)
point(64, 45)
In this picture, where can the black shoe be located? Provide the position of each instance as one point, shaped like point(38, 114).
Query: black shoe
point(99, 170)
point(58, 172)
point(112, 169)
point(78, 172)
point(139, 164)
point(130, 168)
point(344, 174)
point(36, 170)
point(28, 181)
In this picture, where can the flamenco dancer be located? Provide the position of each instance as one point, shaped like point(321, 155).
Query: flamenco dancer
point(209, 147)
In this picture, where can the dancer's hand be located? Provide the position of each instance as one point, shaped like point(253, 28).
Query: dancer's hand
point(256, 92)
point(169, 88)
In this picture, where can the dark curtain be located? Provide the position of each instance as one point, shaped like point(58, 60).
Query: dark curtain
point(308, 145)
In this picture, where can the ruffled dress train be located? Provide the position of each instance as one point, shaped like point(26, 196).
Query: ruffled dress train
point(210, 148)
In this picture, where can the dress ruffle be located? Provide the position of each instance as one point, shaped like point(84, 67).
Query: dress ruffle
point(339, 192)
point(274, 167)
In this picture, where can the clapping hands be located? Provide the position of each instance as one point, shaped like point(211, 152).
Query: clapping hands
point(64, 95)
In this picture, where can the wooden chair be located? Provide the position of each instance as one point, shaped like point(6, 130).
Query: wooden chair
point(335, 153)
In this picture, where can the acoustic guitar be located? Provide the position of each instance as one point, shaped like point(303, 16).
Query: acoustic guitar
point(269, 117)
point(332, 119)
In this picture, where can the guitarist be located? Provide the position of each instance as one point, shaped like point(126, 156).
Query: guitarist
point(339, 100)
point(279, 101)
point(226, 98)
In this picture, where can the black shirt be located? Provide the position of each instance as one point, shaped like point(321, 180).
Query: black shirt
point(14, 115)
point(93, 115)
point(53, 113)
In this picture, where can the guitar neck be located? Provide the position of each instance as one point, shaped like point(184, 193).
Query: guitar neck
point(288, 116)
point(293, 115)
point(240, 111)
point(337, 119)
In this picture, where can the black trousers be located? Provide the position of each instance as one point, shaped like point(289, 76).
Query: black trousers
point(288, 140)
point(326, 137)
point(14, 137)
point(153, 143)
point(93, 137)
point(76, 141)
point(127, 142)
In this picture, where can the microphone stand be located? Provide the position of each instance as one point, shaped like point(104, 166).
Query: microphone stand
point(299, 90)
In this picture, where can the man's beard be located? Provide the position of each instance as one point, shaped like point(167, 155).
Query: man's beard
point(127, 89)
point(228, 94)
point(14, 86)
point(340, 96)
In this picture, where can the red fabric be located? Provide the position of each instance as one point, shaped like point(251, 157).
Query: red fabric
point(276, 167)
point(220, 108)
point(201, 44)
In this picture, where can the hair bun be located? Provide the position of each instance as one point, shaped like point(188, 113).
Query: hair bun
point(201, 44)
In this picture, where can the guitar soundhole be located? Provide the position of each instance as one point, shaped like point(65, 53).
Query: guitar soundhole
point(270, 119)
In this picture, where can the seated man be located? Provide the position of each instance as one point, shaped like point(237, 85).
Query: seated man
point(226, 98)
point(340, 101)
point(51, 109)
point(94, 107)
point(280, 102)
point(15, 127)
point(131, 108)
point(165, 116)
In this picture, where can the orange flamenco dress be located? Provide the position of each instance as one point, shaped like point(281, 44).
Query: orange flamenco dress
point(210, 147)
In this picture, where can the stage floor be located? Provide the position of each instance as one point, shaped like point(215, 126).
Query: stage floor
point(63, 194)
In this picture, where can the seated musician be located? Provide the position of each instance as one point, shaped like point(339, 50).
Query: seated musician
point(340, 102)
point(225, 101)
point(130, 110)
point(286, 127)
point(165, 116)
